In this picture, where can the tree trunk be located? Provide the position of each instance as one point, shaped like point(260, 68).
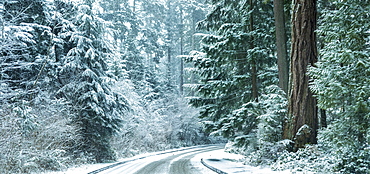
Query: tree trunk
point(302, 110)
point(169, 67)
point(323, 118)
point(181, 85)
point(169, 44)
point(194, 23)
point(253, 62)
point(281, 39)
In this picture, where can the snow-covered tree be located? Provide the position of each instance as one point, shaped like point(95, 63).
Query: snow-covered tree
point(72, 62)
point(86, 85)
point(235, 66)
point(341, 83)
point(25, 44)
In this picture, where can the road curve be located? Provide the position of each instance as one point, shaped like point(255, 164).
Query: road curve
point(183, 164)
point(173, 162)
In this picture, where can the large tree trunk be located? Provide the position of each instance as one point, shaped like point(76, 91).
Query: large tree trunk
point(302, 110)
point(281, 39)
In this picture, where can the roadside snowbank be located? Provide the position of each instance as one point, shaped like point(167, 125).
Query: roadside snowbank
point(229, 163)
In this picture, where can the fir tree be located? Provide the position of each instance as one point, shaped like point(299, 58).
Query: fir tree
point(25, 47)
point(236, 49)
point(86, 85)
point(341, 83)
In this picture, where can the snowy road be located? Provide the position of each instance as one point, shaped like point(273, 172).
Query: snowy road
point(175, 162)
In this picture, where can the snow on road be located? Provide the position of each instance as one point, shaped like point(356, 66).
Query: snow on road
point(229, 163)
point(184, 158)
point(176, 162)
point(171, 156)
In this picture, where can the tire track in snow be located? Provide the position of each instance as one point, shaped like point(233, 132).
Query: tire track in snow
point(161, 162)
point(165, 165)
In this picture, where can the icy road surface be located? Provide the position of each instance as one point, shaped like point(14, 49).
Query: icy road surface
point(177, 161)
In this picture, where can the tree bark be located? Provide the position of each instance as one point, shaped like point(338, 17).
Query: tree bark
point(281, 47)
point(253, 62)
point(181, 85)
point(301, 127)
point(323, 118)
point(194, 23)
point(169, 43)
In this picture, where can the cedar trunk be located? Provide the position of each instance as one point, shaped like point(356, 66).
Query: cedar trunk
point(301, 126)
point(281, 48)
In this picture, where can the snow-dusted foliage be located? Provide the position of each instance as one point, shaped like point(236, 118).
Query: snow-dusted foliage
point(236, 58)
point(33, 126)
point(263, 144)
point(25, 41)
point(156, 119)
point(308, 160)
point(36, 136)
point(156, 123)
point(86, 84)
point(78, 76)
point(342, 84)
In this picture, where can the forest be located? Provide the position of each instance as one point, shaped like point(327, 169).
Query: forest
point(286, 83)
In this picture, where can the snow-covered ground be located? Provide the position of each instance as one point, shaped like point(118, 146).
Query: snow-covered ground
point(227, 162)
point(91, 167)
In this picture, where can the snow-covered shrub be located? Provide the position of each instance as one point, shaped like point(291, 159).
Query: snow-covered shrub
point(308, 159)
point(156, 124)
point(36, 136)
point(272, 110)
point(267, 153)
point(26, 120)
point(262, 144)
point(351, 156)
point(273, 103)
point(333, 154)
point(341, 83)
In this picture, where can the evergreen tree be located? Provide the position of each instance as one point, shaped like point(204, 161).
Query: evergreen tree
point(86, 85)
point(137, 35)
point(302, 124)
point(281, 45)
point(152, 44)
point(236, 49)
point(25, 41)
point(341, 83)
point(190, 12)
point(125, 30)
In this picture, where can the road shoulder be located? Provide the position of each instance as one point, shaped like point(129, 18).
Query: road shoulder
point(227, 162)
